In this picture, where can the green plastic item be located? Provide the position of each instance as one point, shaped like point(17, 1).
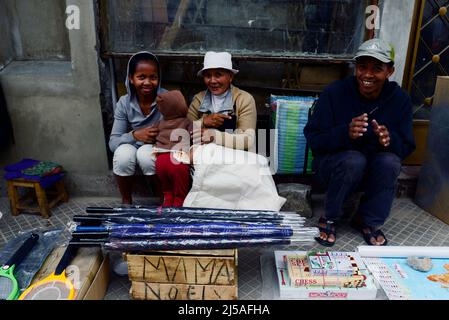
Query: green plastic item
point(9, 288)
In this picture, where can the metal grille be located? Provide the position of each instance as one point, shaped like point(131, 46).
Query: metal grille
point(6, 286)
point(432, 58)
point(246, 27)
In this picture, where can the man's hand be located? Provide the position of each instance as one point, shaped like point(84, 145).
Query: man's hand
point(146, 135)
point(215, 120)
point(382, 133)
point(358, 126)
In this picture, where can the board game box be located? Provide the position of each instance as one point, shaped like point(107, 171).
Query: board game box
point(325, 281)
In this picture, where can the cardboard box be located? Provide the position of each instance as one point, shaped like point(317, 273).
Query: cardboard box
point(183, 275)
point(329, 291)
point(99, 286)
point(89, 272)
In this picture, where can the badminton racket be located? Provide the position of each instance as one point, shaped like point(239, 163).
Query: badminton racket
point(56, 286)
point(9, 287)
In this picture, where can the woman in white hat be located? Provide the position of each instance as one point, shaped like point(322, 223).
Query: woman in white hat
point(228, 115)
point(227, 174)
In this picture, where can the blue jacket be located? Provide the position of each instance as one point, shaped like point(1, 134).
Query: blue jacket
point(327, 131)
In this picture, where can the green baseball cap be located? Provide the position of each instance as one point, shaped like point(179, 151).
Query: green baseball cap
point(377, 49)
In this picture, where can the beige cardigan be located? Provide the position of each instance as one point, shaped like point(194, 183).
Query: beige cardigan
point(243, 137)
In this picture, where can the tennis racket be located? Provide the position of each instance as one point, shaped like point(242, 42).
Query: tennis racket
point(56, 286)
point(9, 288)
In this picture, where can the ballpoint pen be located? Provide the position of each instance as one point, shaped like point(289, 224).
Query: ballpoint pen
point(372, 111)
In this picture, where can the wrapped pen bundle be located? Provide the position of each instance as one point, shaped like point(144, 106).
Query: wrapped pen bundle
point(140, 228)
point(200, 230)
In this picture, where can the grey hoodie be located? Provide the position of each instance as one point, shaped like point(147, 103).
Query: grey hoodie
point(128, 116)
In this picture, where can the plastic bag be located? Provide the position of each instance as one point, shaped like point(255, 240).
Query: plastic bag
point(25, 272)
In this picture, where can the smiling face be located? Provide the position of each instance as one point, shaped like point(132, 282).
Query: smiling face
point(145, 79)
point(371, 75)
point(217, 81)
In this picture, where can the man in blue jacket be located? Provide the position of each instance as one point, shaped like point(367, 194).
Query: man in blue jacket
point(359, 132)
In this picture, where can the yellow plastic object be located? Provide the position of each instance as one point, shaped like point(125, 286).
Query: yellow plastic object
point(53, 287)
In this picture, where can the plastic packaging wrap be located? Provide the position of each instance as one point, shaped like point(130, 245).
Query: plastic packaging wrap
point(304, 236)
point(190, 230)
point(142, 219)
point(196, 243)
point(192, 213)
point(155, 228)
point(90, 219)
point(249, 218)
point(24, 273)
point(177, 211)
point(185, 218)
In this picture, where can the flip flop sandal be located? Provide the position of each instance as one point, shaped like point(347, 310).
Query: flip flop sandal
point(379, 232)
point(328, 230)
point(373, 234)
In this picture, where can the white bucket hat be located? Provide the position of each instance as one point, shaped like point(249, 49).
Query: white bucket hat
point(215, 60)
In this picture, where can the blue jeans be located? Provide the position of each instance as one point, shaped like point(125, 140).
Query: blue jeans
point(345, 172)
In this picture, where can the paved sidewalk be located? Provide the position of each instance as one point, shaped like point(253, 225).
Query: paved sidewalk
point(407, 225)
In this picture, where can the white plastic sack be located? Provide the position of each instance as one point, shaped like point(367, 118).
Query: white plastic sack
point(232, 179)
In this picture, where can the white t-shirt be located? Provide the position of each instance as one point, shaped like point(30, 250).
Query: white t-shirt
point(218, 101)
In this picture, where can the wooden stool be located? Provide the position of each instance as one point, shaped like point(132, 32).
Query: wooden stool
point(44, 203)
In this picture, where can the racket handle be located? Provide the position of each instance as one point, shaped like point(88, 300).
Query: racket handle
point(68, 256)
point(23, 251)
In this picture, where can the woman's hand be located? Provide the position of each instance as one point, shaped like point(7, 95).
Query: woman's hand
point(146, 135)
point(215, 120)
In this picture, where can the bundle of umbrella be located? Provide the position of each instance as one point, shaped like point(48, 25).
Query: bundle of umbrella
point(142, 228)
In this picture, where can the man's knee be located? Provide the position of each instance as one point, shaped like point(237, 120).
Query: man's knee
point(387, 164)
point(352, 162)
point(349, 166)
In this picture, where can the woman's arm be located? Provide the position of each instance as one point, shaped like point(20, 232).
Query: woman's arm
point(119, 132)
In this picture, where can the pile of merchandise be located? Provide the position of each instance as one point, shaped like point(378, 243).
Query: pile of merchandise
point(141, 228)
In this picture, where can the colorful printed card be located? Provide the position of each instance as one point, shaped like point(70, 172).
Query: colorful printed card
point(401, 282)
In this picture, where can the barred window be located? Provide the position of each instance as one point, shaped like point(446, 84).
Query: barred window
point(246, 27)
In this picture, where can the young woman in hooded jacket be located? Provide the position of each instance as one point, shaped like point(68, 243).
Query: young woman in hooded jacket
point(133, 132)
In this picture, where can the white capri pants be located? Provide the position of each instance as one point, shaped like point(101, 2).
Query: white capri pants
point(126, 156)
